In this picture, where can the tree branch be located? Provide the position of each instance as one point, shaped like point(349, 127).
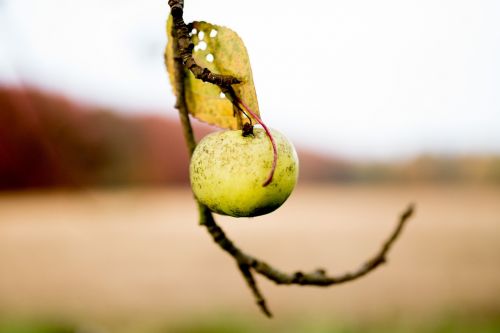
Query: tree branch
point(246, 263)
point(181, 34)
point(315, 278)
point(180, 104)
point(252, 284)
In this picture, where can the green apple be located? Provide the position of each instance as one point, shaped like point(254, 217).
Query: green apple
point(228, 170)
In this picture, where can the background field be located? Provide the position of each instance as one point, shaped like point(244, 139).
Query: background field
point(387, 102)
point(136, 261)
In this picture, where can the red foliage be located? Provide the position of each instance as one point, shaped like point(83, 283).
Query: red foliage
point(46, 140)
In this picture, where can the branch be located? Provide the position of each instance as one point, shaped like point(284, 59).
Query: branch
point(205, 214)
point(218, 235)
point(180, 104)
point(315, 278)
point(181, 34)
point(246, 263)
point(252, 284)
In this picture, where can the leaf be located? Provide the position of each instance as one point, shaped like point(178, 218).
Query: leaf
point(169, 56)
point(222, 51)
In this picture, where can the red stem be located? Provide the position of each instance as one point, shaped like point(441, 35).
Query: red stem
point(273, 143)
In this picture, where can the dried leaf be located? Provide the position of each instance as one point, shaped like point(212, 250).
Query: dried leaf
point(169, 56)
point(222, 51)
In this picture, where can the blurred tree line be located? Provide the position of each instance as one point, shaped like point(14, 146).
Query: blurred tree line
point(47, 140)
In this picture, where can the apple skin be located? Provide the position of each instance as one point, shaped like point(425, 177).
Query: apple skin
point(227, 172)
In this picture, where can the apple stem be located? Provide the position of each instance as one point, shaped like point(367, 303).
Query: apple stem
point(271, 138)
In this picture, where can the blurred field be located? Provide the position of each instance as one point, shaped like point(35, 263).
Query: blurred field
point(122, 260)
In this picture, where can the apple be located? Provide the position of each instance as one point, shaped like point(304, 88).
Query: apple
point(228, 172)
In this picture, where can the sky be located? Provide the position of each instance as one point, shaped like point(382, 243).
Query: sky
point(364, 79)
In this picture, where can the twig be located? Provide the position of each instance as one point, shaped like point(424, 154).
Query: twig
point(252, 284)
point(181, 34)
point(315, 278)
point(180, 104)
point(246, 263)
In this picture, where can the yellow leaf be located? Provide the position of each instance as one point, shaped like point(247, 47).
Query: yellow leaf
point(222, 51)
point(169, 56)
